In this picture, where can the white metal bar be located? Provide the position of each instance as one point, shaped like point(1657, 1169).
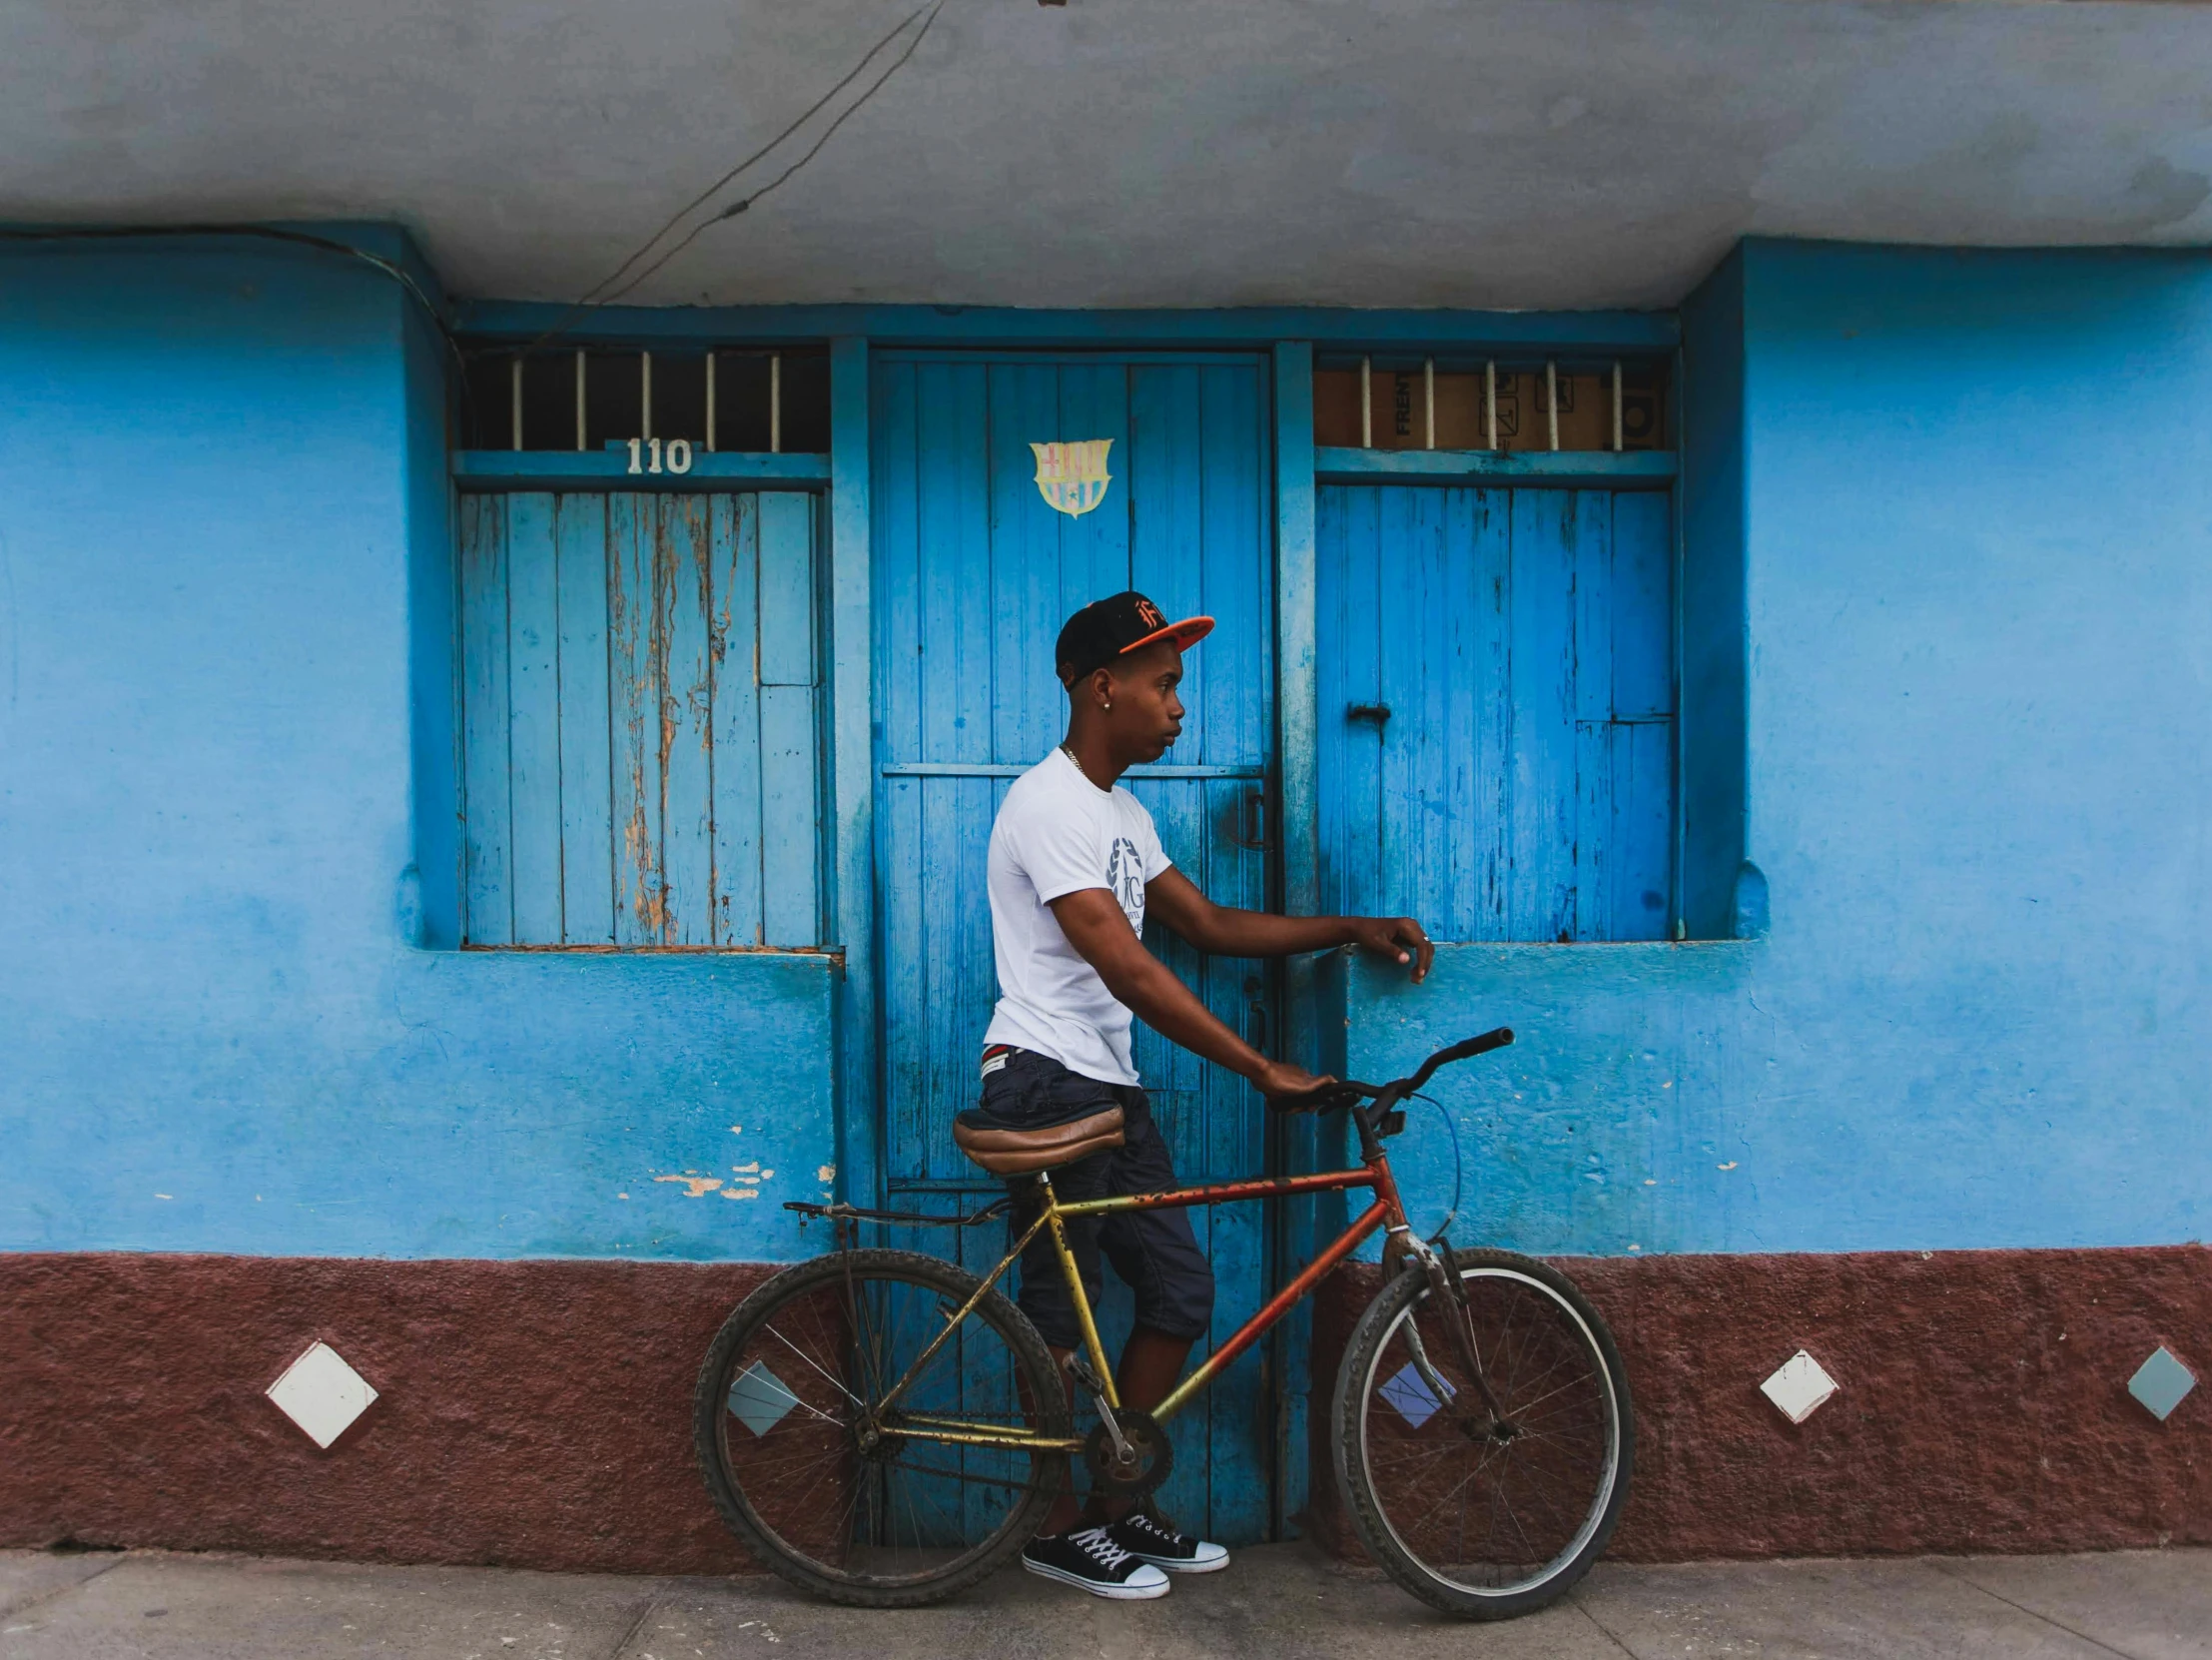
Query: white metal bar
point(514, 401)
point(710, 403)
point(1366, 404)
point(579, 399)
point(775, 403)
point(1551, 398)
point(645, 396)
point(1428, 387)
point(1490, 397)
point(1617, 445)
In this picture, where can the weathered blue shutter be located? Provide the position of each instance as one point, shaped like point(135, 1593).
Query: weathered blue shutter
point(640, 685)
point(1520, 785)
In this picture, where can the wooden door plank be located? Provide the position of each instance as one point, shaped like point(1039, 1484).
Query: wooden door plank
point(907, 1036)
point(1349, 524)
point(895, 554)
point(952, 645)
point(1094, 403)
point(1643, 605)
point(1643, 830)
point(1237, 684)
point(533, 719)
point(1028, 709)
point(682, 565)
point(734, 635)
point(586, 793)
point(1593, 668)
point(638, 642)
point(1164, 473)
point(489, 916)
point(788, 629)
point(790, 820)
point(1542, 771)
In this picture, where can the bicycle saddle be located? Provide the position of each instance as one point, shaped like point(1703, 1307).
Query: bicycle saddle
point(1017, 1151)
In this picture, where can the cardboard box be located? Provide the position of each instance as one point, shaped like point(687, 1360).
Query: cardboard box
point(1398, 409)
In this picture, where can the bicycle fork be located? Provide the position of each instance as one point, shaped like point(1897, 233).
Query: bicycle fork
point(1451, 1302)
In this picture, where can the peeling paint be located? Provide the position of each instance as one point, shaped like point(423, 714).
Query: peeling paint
point(828, 1172)
point(741, 1193)
point(698, 1185)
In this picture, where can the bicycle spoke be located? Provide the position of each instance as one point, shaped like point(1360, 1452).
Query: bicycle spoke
point(832, 1482)
point(1482, 1506)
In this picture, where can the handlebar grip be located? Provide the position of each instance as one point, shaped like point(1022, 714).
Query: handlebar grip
point(1496, 1039)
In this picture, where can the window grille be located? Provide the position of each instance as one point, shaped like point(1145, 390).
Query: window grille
point(761, 400)
point(1384, 402)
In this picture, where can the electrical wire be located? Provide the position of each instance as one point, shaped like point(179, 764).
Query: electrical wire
point(807, 115)
point(390, 268)
point(270, 232)
point(606, 295)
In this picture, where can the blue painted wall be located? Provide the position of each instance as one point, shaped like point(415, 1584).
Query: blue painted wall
point(1975, 527)
point(225, 635)
point(1944, 689)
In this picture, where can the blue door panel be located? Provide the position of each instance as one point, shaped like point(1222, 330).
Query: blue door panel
point(975, 573)
point(641, 720)
point(1496, 683)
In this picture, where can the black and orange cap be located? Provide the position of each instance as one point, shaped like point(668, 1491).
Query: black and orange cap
point(1109, 629)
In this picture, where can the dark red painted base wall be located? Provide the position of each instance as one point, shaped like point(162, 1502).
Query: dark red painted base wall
point(531, 1414)
point(1983, 1402)
point(538, 1413)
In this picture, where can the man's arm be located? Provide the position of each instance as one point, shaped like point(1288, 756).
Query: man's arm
point(1096, 927)
point(1222, 932)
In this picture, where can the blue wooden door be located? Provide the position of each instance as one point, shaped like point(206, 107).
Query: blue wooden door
point(975, 573)
point(1497, 702)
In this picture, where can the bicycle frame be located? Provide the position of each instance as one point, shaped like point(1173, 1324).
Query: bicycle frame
point(1385, 1214)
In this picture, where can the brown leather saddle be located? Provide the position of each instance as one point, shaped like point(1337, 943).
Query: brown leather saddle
point(1019, 1152)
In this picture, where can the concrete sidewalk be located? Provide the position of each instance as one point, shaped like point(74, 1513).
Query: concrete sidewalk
point(1283, 1602)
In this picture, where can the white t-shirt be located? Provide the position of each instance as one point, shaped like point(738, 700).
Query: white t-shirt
point(1057, 832)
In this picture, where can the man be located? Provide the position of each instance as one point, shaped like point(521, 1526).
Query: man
point(1076, 867)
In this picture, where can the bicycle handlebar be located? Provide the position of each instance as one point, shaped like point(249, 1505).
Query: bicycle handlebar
point(1348, 1092)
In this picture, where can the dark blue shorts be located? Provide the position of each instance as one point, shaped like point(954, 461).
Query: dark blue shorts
point(1153, 1251)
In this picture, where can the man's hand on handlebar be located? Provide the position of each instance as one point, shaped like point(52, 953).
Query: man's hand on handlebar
point(1290, 1087)
point(1399, 936)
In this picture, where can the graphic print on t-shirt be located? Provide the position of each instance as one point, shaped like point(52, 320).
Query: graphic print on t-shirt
point(1125, 879)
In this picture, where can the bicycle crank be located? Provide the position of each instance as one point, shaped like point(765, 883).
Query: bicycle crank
point(1139, 1465)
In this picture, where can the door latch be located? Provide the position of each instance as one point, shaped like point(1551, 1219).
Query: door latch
point(1376, 712)
point(1251, 829)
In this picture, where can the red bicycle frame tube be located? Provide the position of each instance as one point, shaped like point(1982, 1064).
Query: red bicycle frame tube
point(1384, 1212)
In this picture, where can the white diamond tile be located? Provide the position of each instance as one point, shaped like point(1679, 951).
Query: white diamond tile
point(322, 1395)
point(1798, 1387)
point(2161, 1383)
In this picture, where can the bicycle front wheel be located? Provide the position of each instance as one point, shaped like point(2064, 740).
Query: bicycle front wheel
point(880, 1506)
point(1484, 1516)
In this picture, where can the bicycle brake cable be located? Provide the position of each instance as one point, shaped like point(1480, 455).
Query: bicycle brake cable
point(1458, 1167)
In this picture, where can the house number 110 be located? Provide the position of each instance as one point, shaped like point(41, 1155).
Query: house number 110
point(646, 455)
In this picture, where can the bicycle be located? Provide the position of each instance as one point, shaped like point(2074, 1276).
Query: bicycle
point(885, 1429)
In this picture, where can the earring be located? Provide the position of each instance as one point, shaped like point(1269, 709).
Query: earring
point(1106, 705)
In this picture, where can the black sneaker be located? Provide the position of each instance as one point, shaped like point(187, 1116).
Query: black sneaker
point(1092, 1560)
point(1144, 1533)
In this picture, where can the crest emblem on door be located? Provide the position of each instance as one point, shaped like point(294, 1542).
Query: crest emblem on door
point(1073, 476)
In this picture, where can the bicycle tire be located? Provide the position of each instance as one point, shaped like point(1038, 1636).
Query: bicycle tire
point(1365, 1413)
point(770, 1541)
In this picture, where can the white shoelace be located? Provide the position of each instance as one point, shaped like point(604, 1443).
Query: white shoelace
point(1098, 1547)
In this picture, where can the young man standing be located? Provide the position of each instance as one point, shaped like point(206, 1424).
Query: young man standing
point(1075, 869)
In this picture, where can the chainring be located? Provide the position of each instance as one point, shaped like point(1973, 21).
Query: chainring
point(1155, 1455)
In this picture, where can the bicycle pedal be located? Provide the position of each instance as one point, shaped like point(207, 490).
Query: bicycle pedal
point(1079, 1368)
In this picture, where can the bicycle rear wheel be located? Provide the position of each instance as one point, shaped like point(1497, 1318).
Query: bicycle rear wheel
point(1479, 1517)
point(811, 1471)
